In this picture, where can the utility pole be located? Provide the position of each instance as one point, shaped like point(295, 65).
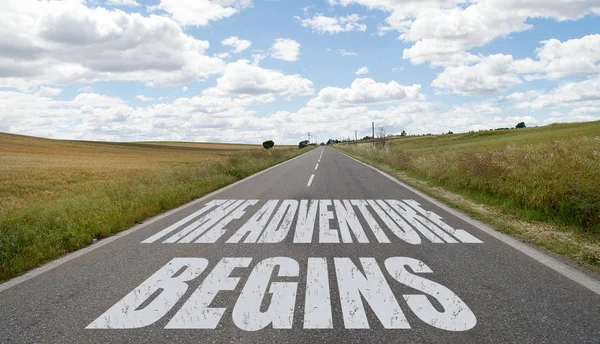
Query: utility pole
point(355, 138)
point(373, 125)
point(309, 137)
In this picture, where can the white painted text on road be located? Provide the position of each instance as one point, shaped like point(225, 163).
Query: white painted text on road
point(265, 300)
point(309, 221)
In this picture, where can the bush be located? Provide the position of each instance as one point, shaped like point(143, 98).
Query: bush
point(268, 144)
point(303, 144)
point(237, 173)
point(520, 125)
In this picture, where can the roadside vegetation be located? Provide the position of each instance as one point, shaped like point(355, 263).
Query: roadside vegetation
point(540, 184)
point(57, 196)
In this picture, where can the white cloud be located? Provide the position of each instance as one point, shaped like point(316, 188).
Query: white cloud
point(365, 91)
point(212, 117)
point(257, 57)
point(238, 44)
point(40, 51)
point(558, 59)
point(184, 89)
point(344, 52)
point(497, 73)
point(362, 71)
point(97, 100)
point(520, 96)
point(444, 30)
point(201, 12)
point(323, 24)
point(42, 116)
point(570, 102)
point(222, 55)
point(40, 46)
point(243, 78)
point(414, 116)
point(218, 114)
point(85, 89)
point(132, 3)
point(144, 98)
point(568, 95)
point(285, 49)
point(442, 36)
point(494, 73)
point(48, 91)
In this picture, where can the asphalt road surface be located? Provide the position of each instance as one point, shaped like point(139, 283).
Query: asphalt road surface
point(318, 249)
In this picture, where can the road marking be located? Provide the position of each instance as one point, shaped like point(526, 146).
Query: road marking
point(310, 180)
point(563, 269)
point(338, 221)
point(317, 166)
point(317, 306)
point(121, 315)
point(267, 301)
point(247, 314)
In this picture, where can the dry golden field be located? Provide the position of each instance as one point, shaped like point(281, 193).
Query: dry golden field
point(37, 170)
point(56, 196)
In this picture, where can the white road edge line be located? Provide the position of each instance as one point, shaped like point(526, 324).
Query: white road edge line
point(310, 180)
point(75, 254)
point(563, 269)
point(317, 166)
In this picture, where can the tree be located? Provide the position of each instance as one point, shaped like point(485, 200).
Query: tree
point(303, 144)
point(520, 125)
point(403, 133)
point(268, 144)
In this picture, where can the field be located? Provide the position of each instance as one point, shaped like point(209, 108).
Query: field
point(56, 196)
point(541, 184)
point(211, 145)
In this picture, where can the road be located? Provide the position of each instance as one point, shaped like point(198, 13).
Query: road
point(318, 249)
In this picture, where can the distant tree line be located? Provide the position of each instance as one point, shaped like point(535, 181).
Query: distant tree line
point(381, 138)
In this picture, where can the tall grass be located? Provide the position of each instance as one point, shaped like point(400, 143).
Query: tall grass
point(548, 180)
point(98, 201)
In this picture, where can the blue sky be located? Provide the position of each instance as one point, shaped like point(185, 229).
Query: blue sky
point(252, 70)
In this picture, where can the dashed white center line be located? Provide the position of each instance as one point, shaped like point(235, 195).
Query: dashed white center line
point(310, 180)
point(312, 176)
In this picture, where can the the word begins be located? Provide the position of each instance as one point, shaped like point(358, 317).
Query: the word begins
point(268, 301)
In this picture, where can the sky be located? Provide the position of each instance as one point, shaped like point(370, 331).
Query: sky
point(254, 70)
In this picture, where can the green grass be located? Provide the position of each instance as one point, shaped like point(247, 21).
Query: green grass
point(548, 175)
point(56, 196)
